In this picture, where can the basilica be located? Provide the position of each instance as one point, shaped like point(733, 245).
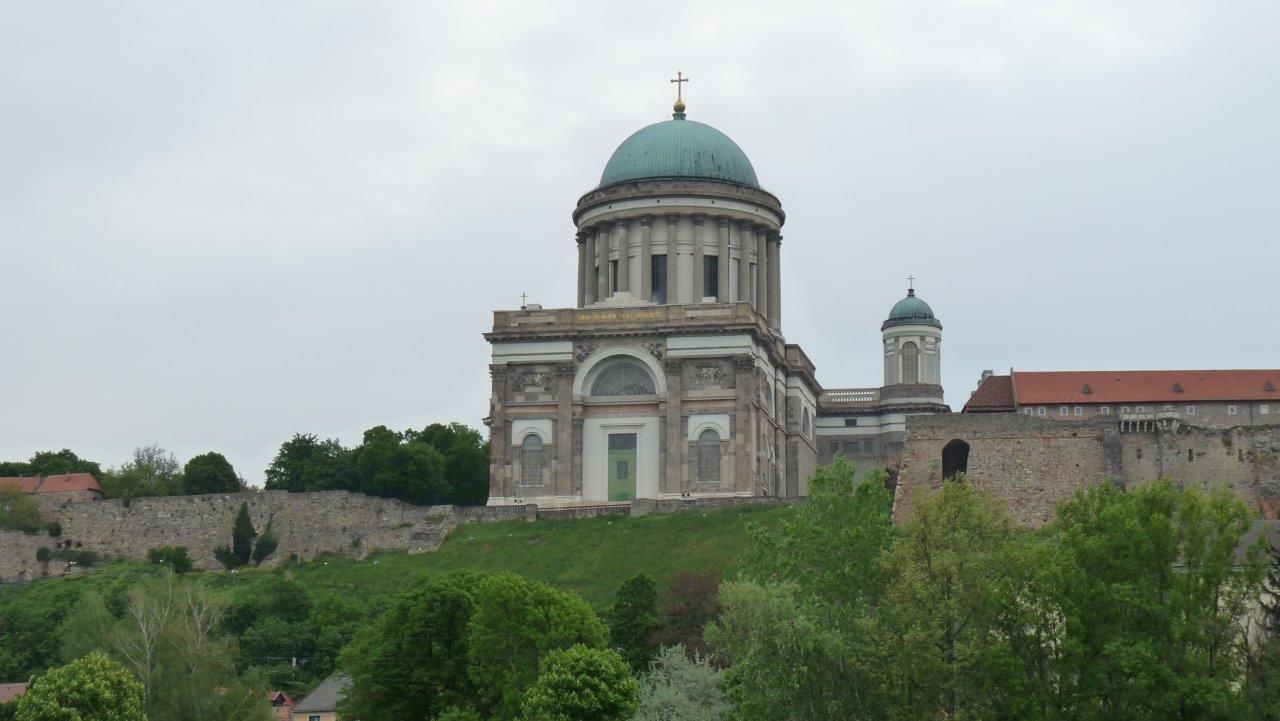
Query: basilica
point(671, 377)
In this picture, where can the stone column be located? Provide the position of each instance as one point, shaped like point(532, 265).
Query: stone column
point(775, 307)
point(588, 278)
point(582, 268)
point(673, 260)
point(602, 262)
point(722, 261)
point(762, 277)
point(744, 368)
point(746, 241)
point(563, 482)
point(624, 255)
point(646, 258)
point(673, 473)
point(698, 275)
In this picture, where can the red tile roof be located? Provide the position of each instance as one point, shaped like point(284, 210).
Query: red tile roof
point(1049, 387)
point(63, 483)
point(10, 691)
point(994, 394)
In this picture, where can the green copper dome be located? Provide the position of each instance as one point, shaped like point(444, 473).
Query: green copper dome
point(911, 311)
point(679, 148)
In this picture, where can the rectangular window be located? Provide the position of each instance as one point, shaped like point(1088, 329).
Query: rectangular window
point(1168, 408)
point(1140, 409)
point(734, 264)
point(1191, 455)
point(613, 277)
point(1124, 409)
point(1078, 410)
point(1231, 410)
point(313, 718)
point(755, 294)
point(1139, 454)
point(1040, 411)
point(1264, 409)
point(1029, 411)
point(710, 277)
point(1063, 411)
point(658, 279)
point(850, 422)
point(1105, 410)
point(1191, 410)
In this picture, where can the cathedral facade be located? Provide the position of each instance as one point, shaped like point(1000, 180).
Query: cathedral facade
point(670, 376)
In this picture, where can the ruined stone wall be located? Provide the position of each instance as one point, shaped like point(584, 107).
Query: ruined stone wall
point(1030, 463)
point(1033, 464)
point(307, 525)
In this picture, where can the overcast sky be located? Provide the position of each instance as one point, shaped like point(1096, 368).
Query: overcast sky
point(223, 223)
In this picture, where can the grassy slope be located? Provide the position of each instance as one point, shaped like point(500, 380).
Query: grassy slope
point(590, 556)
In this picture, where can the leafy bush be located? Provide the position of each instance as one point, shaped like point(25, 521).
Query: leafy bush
point(76, 556)
point(18, 510)
point(175, 557)
point(54, 529)
point(42, 554)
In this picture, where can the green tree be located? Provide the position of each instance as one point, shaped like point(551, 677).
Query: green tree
point(52, 463)
point(398, 465)
point(18, 510)
point(152, 471)
point(633, 620)
point(306, 463)
point(466, 461)
point(413, 662)
point(690, 604)
point(210, 473)
point(93, 688)
point(679, 688)
point(266, 545)
point(581, 684)
point(242, 535)
point(516, 623)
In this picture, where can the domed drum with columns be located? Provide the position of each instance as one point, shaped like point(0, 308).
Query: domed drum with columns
point(670, 377)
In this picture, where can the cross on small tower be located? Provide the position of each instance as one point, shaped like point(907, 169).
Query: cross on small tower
point(523, 298)
point(679, 80)
point(911, 282)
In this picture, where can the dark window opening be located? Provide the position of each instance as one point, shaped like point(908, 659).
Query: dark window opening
point(658, 279)
point(1191, 455)
point(850, 422)
point(613, 277)
point(710, 277)
point(955, 458)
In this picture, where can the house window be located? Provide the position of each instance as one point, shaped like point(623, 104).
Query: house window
point(1168, 408)
point(658, 279)
point(1140, 409)
point(708, 457)
point(1078, 410)
point(1105, 410)
point(1064, 411)
point(531, 460)
point(1029, 411)
point(710, 277)
point(1231, 410)
point(1191, 410)
point(1191, 455)
point(313, 717)
point(850, 422)
point(1139, 454)
point(1264, 409)
point(1040, 411)
point(1124, 409)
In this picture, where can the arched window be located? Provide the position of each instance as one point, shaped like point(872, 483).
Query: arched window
point(806, 422)
point(532, 460)
point(910, 363)
point(623, 379)
point(708, 457)
point(955, 458)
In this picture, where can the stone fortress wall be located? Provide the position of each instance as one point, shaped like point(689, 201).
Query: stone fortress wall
point(307, 524)
point(1034, 463)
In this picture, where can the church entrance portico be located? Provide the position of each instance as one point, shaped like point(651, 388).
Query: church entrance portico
point(620, 458)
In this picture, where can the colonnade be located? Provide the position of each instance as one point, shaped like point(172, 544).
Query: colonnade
point(601, 243)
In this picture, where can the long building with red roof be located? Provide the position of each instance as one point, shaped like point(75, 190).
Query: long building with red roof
point(1207, 398)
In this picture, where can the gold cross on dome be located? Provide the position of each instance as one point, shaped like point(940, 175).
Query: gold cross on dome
point(679, 80)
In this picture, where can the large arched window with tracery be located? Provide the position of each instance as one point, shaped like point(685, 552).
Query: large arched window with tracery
point(532, 460)
point(708, 456)
point(624, 378)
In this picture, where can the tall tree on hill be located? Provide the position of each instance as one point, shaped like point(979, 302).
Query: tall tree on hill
point(398, 465)
point(210, 473)
point(581, 684)
point(466, 461)
point(93, 687)
point(152, 471)
point(633, 620)
point(50, 463)
point(306, 463)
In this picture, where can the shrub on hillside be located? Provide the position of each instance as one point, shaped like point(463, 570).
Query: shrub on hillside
point(174, 557)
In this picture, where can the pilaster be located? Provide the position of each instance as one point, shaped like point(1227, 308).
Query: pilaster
point(673, 260)
point(646, 258)
point(582, 268)
point(775, 307)
point(588, 277)
point(744, 367)
point(699, 292)
point(672, 480)
point(746, 243)
point(762, 270)
point(623, 231)
point(563, 481)
point(722, 261)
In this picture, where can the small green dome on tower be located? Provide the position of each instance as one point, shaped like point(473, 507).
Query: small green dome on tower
point(679, 148)
point(911, 310)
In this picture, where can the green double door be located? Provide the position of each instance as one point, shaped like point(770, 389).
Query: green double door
point(622, 466)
